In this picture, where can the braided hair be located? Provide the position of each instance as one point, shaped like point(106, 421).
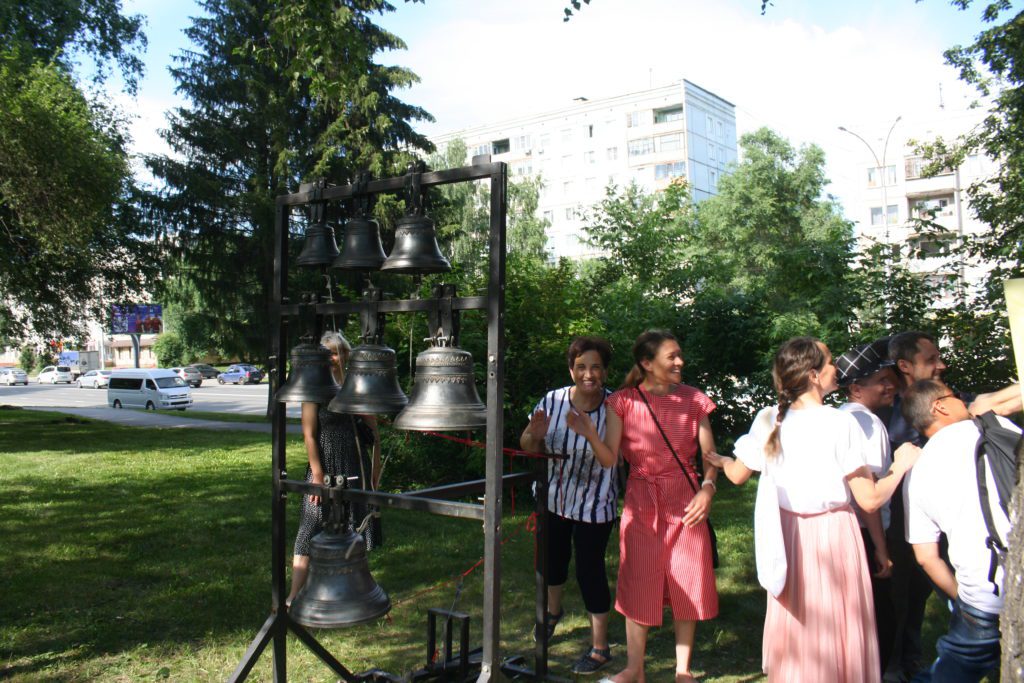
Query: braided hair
point(791, 374)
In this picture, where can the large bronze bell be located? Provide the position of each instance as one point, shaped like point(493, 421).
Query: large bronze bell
point(371, 383)
point(361, 248)
point(444, 394)
point(416, 250)
point(319, 248)
point(310, 378)
point(339, 590)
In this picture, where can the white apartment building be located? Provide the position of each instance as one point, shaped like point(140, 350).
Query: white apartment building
point(894, 195)
point(650, 137)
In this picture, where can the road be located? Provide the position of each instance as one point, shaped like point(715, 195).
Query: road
point(248, 399)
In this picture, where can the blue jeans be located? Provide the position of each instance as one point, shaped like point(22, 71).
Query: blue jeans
point(968, 651)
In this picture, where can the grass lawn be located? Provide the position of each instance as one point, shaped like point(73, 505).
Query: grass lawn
point(227, 417)
point(140, 554)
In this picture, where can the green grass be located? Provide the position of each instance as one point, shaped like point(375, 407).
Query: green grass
point(138, 554)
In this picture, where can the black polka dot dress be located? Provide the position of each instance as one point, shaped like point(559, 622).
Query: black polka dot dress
point(339, 454)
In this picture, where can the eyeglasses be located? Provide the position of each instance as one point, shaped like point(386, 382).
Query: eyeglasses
point(943, 398)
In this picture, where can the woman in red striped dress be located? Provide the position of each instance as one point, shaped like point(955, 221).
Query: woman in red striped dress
point(664, 542)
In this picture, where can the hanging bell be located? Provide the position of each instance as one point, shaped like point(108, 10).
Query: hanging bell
point(444, 394)
point(319, 247)
point(416, 250)
point(310, 378)
point(361, 248)
point(371, 383)
point(339, 590)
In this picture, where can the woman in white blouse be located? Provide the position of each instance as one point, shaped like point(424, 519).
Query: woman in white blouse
point(821, 627)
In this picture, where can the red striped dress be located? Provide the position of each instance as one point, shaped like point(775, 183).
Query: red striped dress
point(661, 562)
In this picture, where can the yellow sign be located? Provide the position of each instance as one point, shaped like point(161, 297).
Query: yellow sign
point(1015, 307)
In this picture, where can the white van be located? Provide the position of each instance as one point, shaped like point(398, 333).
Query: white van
point(149, 389)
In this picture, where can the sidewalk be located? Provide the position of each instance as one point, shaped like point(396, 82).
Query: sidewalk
point(143, 418)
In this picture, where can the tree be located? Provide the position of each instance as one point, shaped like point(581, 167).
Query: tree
point(280, 92)
point(70, 232)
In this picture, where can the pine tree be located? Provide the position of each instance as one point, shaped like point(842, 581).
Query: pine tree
point(279, 93)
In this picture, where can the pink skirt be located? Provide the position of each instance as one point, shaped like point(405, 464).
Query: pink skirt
point(822, 626)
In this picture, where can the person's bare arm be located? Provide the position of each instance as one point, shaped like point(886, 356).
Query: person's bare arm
point(310, 430)
point(532, 438)
point(1005, 402)
point(927, 555)
point(735, 470)
point(873, 522)
point(871, 494)
point(606, 451)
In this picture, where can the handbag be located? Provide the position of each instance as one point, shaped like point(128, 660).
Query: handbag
point(711, 530)
point(769, 546)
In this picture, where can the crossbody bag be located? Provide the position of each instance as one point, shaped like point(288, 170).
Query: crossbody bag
point(689, 479)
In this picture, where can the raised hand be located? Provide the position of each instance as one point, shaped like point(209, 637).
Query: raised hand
point(905, 456)
point(538, 427)
point(580, 423)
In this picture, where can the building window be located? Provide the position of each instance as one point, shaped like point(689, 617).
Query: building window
point(893, 212)
point(567, 187)
point(590, 185)
point(612, 153)
point(522, 169)
point(713, 179)
point(712, 153)
point(711, 126)
point(482, 149)
point(670, 143)
point(668, 114)
point(566, 161)
point(549, 216)
point(590, 157)
point(719, 131)
point(875, 175)
point(566, 136)
point(545, 142)
point(632, 119)
point(933, 207)
point(522, 143)
point(500, 146)
point(676, 169)
point(570, 213)
point(914, 168)
point(932, 245)
point(641, 147)
point(590, 130)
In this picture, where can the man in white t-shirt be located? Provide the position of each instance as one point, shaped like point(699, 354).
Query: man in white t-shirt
point(941, 496)
point(866, 374)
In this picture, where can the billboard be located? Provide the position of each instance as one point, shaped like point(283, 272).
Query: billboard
point(137, 319)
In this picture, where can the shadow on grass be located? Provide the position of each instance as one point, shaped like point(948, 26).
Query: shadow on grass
point(129, 550)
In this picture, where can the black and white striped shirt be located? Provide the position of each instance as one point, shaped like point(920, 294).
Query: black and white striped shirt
point(579, 488)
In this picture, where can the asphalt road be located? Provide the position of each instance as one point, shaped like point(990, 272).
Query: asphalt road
point(211, 397)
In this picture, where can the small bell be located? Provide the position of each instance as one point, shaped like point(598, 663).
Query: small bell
point(444, 396)
point(361, 247)
point(319, 247)
point(416, 250)
point(310, 379)
point(371, 383)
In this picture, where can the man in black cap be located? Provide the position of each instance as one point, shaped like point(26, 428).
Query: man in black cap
point(867, 375)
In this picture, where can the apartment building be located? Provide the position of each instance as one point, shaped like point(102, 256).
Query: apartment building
point(895, 196)
point(650, 137)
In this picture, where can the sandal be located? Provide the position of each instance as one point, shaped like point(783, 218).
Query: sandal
point(550, 622)
point(587, 664)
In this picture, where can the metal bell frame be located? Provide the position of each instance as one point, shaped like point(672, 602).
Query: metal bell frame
point(490, 663)
point(319, 247)
point(415, 251)
point(361, 246)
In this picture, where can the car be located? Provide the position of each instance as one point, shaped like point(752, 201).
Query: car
point(240, 373)
point(54, 374)
point(191, 376)
point(94, 379)
point(11, 376)
point(207, 371)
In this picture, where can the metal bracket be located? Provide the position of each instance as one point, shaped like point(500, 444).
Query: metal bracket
point(443, 319)
point(371, 317)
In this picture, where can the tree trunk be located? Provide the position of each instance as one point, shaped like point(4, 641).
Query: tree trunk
point(1012, 620)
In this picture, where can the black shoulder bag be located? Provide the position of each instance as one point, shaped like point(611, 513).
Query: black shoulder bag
point(693, 485)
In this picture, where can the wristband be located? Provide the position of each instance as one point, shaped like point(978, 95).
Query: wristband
point(708, 482)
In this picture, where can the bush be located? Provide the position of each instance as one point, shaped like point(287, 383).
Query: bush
point(169, 350)
point(27, 358)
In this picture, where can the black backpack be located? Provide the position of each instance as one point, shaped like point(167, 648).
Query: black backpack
point(997, 451)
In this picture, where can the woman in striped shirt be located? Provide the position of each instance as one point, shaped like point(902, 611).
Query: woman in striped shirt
point(664, 541)
point(582, 494)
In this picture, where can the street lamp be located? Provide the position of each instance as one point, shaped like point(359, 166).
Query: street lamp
point(880, 165)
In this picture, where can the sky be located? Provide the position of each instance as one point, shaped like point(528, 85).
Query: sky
point(804, 68)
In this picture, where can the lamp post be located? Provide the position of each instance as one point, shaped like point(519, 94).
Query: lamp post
point(880, 165)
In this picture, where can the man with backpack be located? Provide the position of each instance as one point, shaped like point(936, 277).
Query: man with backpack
point(961, 486)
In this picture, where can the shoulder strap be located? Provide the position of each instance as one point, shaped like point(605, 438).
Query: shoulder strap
point(987, 425)
point(679, 462)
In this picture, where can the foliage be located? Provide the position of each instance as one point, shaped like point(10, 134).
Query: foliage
point(170, 350)
point(279, 92)
point(58, 31)
point(27, 358)
point(71, 234)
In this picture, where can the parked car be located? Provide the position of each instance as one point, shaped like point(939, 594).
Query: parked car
point(191, 376)
point(240, 374)
point(54, 374)
point(207, 371)
point(94, 379)
point(11, 376)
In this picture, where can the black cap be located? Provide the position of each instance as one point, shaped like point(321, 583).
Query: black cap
point(863, 361)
